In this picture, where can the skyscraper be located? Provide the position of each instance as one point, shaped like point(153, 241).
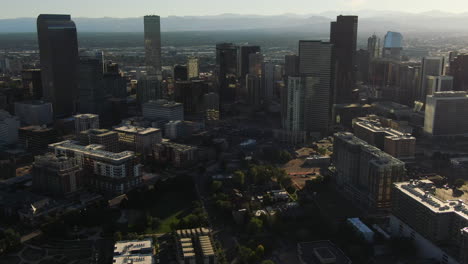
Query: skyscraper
point(373, 46)
point(148, 88)
point(294, 118)
point(226, 71)
point(192, 65)
point(431, 66)
point(393, 45)
point(91, 94)
point(459, 71)
point(343, 36)
point(152, 26)
point(244, 59)
point(315, 68)
point(58, 47)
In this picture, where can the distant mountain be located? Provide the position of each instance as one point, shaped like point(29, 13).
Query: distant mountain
point(369, 21)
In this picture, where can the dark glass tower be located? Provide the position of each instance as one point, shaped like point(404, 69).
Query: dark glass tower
point(58, 47)
point(343, 36)
point(245, 52)
point(226, 71)
point(152, 25)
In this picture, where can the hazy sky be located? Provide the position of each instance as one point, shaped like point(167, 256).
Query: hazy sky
point(136, 8)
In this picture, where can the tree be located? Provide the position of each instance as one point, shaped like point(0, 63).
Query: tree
point(216, 186)
point(239, 178)
point(322, 151)
point(118, 236)
point(260, 251)
point(246, 254)
point(267, 262)
point(255, 226)
point(459, 183)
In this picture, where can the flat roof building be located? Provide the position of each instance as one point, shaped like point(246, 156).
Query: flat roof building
point(433, 218)
point(109, 172)
point(138, 139)
point(85, 121)
point(134, 251)
point(398, 144)
point(446, 114)
point(364, 173)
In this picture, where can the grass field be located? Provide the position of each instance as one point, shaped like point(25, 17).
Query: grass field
point(172, 207)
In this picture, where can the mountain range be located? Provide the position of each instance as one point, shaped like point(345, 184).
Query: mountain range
point(369, 21)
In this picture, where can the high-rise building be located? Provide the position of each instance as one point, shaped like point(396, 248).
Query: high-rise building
point(315, 67)
point(433, 218)
point(268, 74)
point(373, 46)
point(148, 88)
point(291, 65)
point(152, 25)
point(364, 173)
point(393, 45)
point(438, 84)
point(446, 114)
point(163, 110)
point(193, 68)
point(138, 139)
point(9, 126)
point(211, 106)
point(114, 83)
point(56, 175)
point(34, 113)
point(190, 94)
point(226, 71)
point(295, 105)
point(108, 172)
point(180, 73)
point(431, 66)
point(244, 59)
point(58, 48)
point(256, 64)
point(32, 82)
point(35, 139)
point(459, 71)
point(86, 121)
point(255, 92)
point(91, 94)
point(343, 36)
point(398, 144)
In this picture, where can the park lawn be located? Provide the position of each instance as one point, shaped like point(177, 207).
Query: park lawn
point(171, 208)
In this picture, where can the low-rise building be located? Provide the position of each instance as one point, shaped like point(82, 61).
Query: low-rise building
point(109, 139)
point(321, 252)
point(177, 155)
point(195, 246)
point(134, 251)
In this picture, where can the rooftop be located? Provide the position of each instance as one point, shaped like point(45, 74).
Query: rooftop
point(92, 150)
point(425, 192)
point(375, 126)
point(123, 247)
point(136, 130)
point(319, 252)
point(134, 259)
point(86, 116)
point(383, 158)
